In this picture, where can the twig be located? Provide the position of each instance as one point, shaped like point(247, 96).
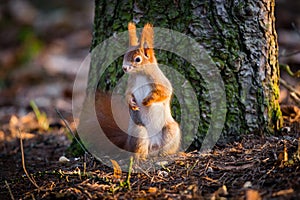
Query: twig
point(23, 163)
point(296, 97)
point(289, 71)
point(298, 151)
point(9, 190)
point(194, 165)
point(206, 167)
point(289, 54)
point(295, 28)
point(143, 171)
point(69, 128)
point(295, 94)
point(289, 87)
point(84, 164)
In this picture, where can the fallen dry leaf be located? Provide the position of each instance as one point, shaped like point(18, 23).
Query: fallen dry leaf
point(283, 192)
point(252, 195)
point(152, 189)
point(117, 169)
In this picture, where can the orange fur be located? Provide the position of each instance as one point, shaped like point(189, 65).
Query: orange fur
point(159, 93)
point(150, 54)
point(172, 141)
point(106, 119)
point(147, 37)
point(133, 40)
point(146, 74)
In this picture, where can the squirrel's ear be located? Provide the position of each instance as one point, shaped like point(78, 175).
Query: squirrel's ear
point(133, 40)
point(147, 37)
point(149, 53)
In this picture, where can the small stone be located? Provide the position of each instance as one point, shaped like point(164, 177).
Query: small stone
point(161, 163)
point(63, 159)
point(162, 173)
point(209, 170)
point(247, 184)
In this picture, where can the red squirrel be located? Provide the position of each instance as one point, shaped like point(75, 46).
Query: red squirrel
point(152, 131)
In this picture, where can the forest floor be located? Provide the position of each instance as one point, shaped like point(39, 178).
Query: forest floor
point(251, 168)
point(39, 63)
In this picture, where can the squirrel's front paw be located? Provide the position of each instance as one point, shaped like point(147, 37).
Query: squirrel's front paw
point(133, 105)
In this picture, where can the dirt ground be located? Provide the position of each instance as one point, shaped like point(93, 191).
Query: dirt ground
point(251, 168)
point(40, 51)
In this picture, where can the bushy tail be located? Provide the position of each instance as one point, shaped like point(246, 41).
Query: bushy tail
point(113, 121)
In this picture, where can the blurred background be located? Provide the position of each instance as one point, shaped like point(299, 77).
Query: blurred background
point(43, 43)
point(287, 14)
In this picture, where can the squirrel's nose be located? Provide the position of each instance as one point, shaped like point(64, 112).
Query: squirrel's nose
point(125, 68)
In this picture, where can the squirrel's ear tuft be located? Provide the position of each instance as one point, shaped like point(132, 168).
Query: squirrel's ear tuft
point(147, 37)
point(133, 40)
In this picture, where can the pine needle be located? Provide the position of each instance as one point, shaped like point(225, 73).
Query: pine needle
point(23, 163)
point(9, 190)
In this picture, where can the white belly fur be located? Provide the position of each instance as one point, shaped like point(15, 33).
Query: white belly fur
point(154, 116)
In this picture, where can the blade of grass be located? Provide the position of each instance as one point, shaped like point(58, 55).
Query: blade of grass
point(41, 117)
point(129, 173)
point(35, 109)
point(70, 130)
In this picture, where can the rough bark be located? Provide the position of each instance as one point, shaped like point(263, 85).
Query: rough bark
point(239, 36)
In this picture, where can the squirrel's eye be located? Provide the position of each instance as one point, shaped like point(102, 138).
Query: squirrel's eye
point(138, 59)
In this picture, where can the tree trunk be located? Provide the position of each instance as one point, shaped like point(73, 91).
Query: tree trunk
point(238, 35)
